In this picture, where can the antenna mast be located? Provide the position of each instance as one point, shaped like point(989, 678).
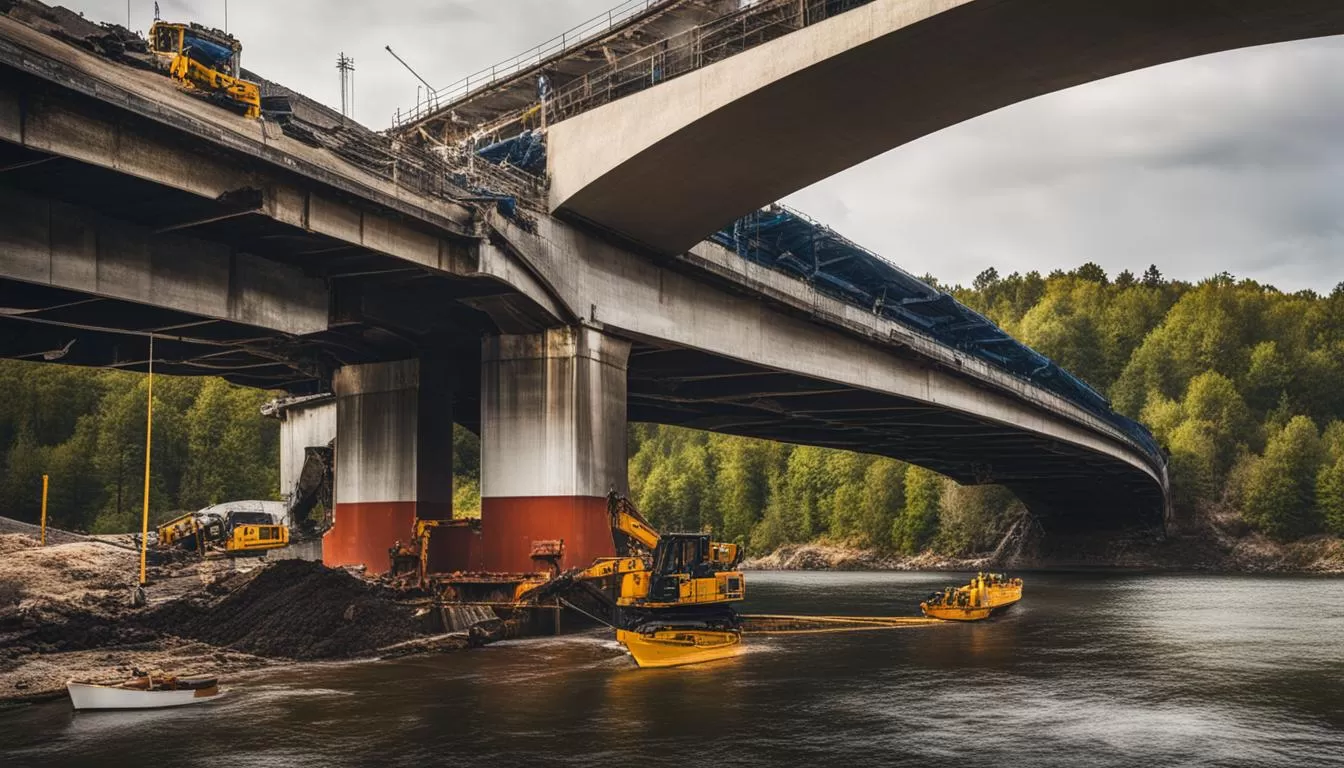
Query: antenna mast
point(346, 65)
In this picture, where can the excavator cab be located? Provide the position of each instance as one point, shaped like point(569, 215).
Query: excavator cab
point(206, 61)
point(210, 49)
point(683, 560)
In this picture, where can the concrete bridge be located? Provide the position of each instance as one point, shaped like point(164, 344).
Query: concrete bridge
point(315, 257)
point(847, 86)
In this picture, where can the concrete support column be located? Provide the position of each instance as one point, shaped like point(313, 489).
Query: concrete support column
point(552, 443)
point(394, 458)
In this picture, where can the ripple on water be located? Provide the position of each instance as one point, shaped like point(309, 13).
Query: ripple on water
point(1091, 670)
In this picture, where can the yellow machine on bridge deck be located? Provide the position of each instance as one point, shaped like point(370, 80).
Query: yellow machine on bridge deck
point(987, 594)
point(206, 61)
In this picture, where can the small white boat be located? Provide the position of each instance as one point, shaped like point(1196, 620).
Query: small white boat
point(142, 693)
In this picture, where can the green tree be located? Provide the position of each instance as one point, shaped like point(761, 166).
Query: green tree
point(917, 523)
point(1280, 498)
point(1330, 496)
point(972, 518)
point(883, 498)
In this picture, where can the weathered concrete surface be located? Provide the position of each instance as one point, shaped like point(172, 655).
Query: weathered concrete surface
point(52, 243)
point(668, 166)
point(303, 186)
point(677, 304)
point(552, 443)
point(394, 458)
point(304, 425)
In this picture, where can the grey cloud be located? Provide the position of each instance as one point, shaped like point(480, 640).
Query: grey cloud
point(1229, 162)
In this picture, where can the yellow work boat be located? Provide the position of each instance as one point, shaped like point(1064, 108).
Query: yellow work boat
point(674, 647)
point(986, 595)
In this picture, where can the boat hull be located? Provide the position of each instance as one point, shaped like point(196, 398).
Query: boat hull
point(679, 647)
point(997, 599)
point(956, 613)
point(88, 696)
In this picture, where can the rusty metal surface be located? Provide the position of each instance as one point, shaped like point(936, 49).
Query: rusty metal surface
point(510, 525)
point(364, 531)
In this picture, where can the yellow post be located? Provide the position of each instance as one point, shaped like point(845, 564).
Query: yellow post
point(44, 510)
point(149, 435)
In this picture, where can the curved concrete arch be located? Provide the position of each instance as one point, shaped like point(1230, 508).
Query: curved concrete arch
point(667, 166)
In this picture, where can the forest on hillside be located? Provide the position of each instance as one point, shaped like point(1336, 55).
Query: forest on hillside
point(85, 428)
point(1240, 382)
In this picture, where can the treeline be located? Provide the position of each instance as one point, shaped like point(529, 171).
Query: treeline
point(765, 494)
point(85, 428)
point(1241, 383)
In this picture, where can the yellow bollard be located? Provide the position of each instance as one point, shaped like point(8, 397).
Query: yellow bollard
point(149, 436)
point(44, 510)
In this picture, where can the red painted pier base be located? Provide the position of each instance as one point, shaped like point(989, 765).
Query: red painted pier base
point(361, 531)
point(510, 524)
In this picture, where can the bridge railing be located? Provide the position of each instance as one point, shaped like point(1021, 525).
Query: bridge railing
point(686, 52)
point(449, 172)
point(570, 39)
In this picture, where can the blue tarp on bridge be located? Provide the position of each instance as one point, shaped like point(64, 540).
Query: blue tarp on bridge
point(784, 240)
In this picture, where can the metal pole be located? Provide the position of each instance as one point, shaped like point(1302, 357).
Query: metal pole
point(44, 510)
point(149, 435)
point(428, 88)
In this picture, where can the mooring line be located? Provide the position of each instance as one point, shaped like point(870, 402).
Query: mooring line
point(585, 613)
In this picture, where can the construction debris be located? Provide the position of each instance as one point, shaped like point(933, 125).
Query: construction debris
point(65, 611)
point(293, 609)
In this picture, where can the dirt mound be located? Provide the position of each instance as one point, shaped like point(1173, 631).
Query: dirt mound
point(16, 542)
point(294, 609)
point(72, 573)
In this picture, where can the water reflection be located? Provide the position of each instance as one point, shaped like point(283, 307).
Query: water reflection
point(1104, 670)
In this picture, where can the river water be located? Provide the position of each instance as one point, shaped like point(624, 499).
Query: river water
point(1089, 670)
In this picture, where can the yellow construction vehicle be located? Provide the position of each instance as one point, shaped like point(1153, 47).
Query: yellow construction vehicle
point(255, 538)
point(670, 595)
point(230, 533)
point(205, 61)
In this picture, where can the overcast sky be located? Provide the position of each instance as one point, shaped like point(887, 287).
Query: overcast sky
point(1230, 162)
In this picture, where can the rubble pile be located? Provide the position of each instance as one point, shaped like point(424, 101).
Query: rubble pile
point(292, 609)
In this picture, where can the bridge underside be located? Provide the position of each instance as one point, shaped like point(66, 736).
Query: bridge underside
point(1076, 487)
point(755, 128)
point(105, 260)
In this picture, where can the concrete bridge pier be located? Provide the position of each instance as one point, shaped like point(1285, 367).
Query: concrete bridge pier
point(553, 423)
point(394, 458)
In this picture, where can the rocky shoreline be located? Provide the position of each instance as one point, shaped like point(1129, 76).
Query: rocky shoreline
point(1204, 550)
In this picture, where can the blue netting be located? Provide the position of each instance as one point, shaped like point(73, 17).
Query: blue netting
point(526, 151)
point(790, 242)
point(207, 52)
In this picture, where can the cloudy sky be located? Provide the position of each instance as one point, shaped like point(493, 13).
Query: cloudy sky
point(1230, 162)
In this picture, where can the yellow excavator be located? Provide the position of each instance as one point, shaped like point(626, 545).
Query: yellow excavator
point(231, 534)
point(205, 61)
point(670, 594)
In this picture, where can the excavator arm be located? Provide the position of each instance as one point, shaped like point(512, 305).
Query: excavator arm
point(626, 520)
